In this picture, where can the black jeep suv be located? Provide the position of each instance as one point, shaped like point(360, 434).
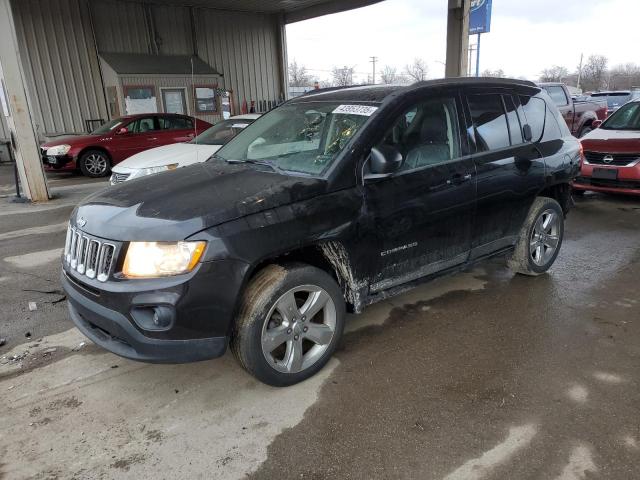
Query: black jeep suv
point(330, 202)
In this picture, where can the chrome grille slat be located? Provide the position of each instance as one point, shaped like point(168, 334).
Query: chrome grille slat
point(89, 256)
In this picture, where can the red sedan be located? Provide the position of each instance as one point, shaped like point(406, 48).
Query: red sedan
point(612, 154)
point(96, 153)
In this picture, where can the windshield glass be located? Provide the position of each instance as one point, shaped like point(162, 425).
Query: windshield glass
point(107, 127)
point(625, 118)
point(302, 137)
point(221, 132)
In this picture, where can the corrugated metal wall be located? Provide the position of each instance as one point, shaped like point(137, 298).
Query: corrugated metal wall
point(60, 63)
point(58, 49)
point(4, 129)
point(244, 48)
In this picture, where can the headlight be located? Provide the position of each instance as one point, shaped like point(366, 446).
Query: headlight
point(143, 172)
point(160, 259)
point(58, 150)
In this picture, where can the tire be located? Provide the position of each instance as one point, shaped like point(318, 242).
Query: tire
point(533, 254)
point(95, 164)
point(584, 131)
point(271, 338)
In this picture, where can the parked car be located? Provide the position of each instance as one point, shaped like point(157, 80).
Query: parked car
point(614, 99)
point(580, 113)
point(612, 154)
point(95, 154)
point(332, 201)
point(170, 157)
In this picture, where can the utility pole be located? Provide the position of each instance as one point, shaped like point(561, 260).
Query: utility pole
point(457, 38)
point(579, 71)
point(374, 60)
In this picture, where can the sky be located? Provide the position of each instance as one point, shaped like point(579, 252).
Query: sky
point(526, 36)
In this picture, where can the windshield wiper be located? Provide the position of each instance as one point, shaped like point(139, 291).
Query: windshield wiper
point(254, 162)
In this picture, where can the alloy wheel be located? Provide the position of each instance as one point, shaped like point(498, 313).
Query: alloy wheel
point(96, 164)
point(544, 237)
point(298, 329)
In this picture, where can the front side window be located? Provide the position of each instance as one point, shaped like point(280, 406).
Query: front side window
point(221, 133)
point(489, 122)
point(300, 137)
point(142, 125)
point(626, 118)
point(426, 134)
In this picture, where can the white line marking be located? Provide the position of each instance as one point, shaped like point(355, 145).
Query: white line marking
point(35, 259)
point(58, 227)
point(580, 462)
point(474, 469)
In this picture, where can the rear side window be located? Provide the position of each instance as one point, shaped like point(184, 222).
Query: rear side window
point(551, 127)
point(175, 123)
point(557, 95)
point(515, 130)
point(489, 122)
point(534, 113)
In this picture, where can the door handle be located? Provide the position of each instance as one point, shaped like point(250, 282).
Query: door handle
point(459, 178)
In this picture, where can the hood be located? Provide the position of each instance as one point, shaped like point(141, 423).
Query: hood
point(70, 140)
point(612, 141)
point(180, 153)
point(174, 205)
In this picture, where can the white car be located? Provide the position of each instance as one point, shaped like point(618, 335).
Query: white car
point(170, 157)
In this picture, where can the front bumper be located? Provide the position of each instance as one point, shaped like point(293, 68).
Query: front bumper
point(59, 162)
point(115, 332)
point(626, 181)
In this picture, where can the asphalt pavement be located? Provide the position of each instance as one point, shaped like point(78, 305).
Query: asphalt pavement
point(479, 375)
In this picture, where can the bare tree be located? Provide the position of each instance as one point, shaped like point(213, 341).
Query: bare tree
point(554, 74)
point(389, 75)
point(624, 76)
point(342, 76)
point(417, 71)
point(494, 73)
point(594, 73)
point(298, 75)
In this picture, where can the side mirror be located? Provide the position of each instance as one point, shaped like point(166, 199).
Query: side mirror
point(384, 160)
point(596, 124)
point(122, 131)
point(527, 133)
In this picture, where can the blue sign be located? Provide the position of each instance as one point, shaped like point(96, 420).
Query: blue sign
point(479, 16)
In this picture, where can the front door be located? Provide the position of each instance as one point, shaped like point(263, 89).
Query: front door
point(142, 135)
point(174, 100)
point(421, 216)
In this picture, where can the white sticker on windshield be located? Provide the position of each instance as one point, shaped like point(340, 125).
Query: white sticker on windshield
point(365, 110)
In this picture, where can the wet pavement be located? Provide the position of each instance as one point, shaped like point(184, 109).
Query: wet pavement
point(479, 375)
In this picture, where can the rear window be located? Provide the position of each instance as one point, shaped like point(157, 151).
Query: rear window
point(489, 122)
point(534, 112)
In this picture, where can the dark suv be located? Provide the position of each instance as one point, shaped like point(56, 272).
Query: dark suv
point(332, 201)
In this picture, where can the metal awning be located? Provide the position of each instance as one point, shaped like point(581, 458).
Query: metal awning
point(146, 64)
point(293, 10)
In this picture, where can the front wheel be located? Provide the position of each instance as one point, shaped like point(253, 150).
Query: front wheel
point(289, 324)
point(540, 238)
point(94, 163)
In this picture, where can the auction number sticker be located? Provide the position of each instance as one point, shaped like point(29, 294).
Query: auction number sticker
point(365, 110)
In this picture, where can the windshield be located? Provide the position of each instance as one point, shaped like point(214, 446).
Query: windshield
point(221, 132)
point(626, 117)
point(107, 127)
point(302, 137)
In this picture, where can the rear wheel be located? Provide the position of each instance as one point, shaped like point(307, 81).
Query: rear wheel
point(94, 163)
point(540, 238)
point(289, 324)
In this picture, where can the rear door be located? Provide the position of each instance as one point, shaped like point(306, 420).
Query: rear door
point(510, 171)
point(422, 215)
point(175, 129)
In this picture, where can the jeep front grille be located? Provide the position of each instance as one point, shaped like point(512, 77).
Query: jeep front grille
point(87, 255)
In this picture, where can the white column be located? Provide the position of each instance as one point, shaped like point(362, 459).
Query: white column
point(457, 38)
point(20, 120)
